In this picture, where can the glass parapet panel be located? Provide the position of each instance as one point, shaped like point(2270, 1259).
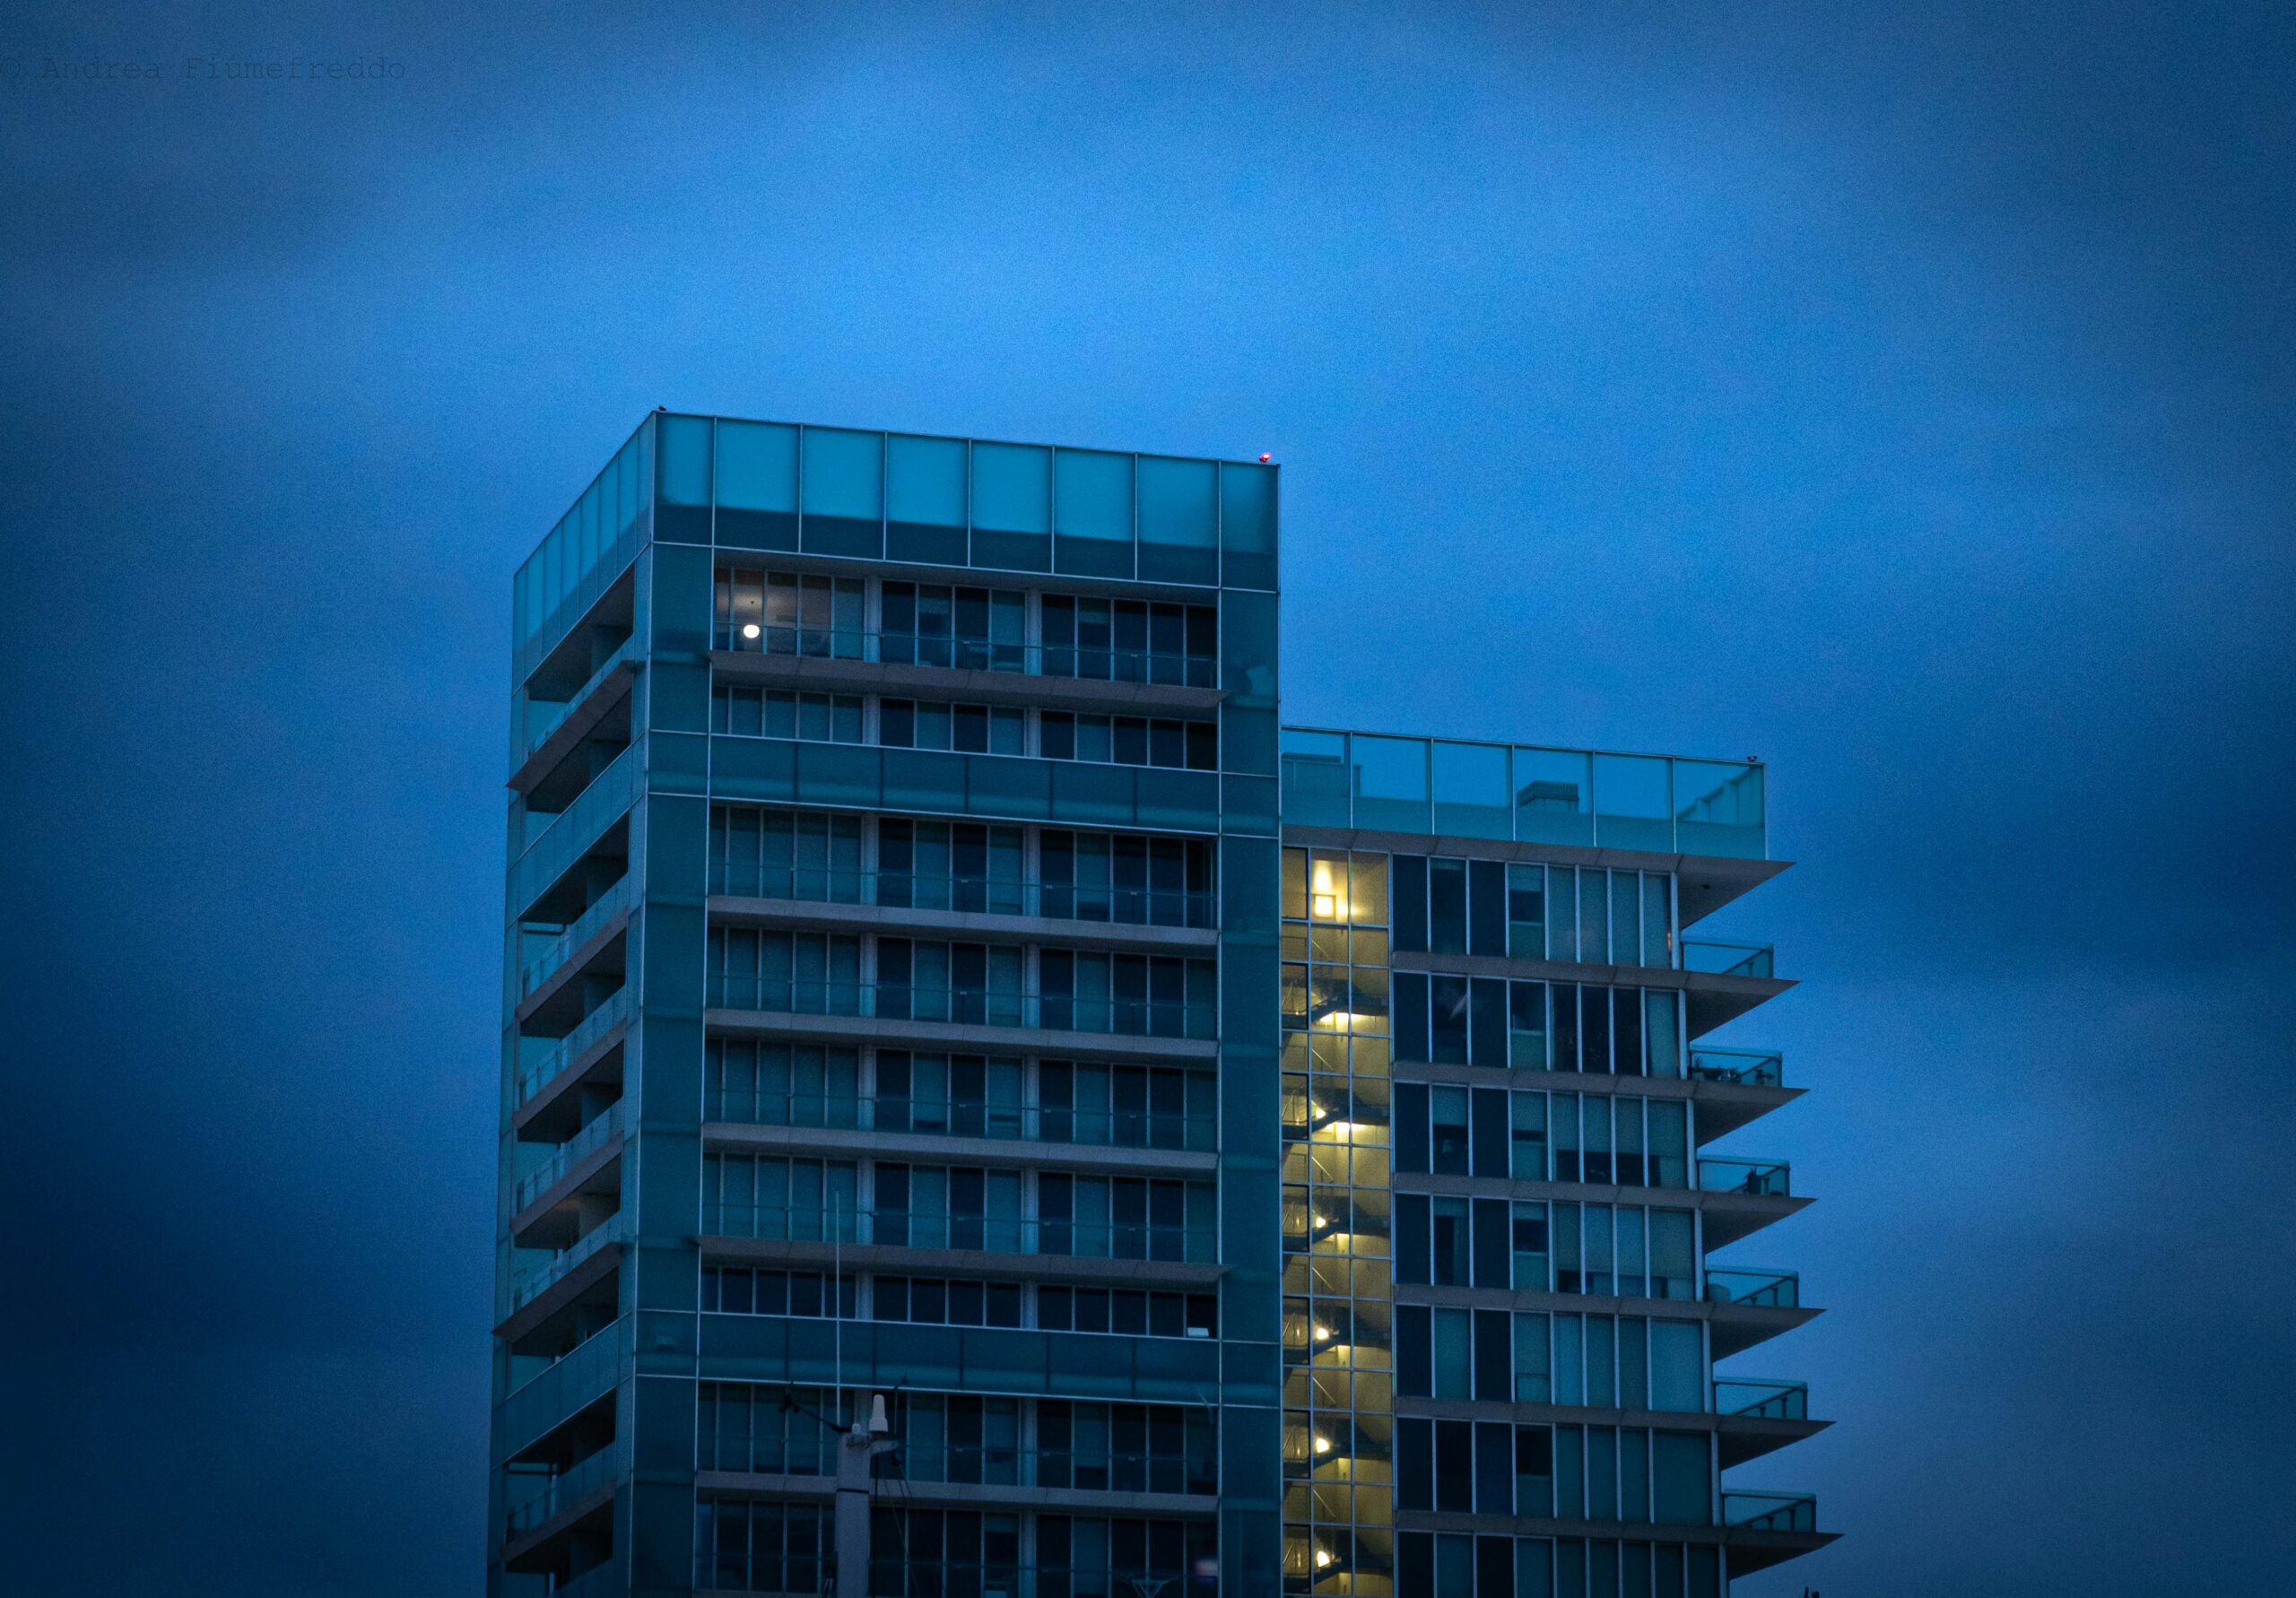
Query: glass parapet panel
point(578, 559)
point(1712, 958)
point(1763, 1401)
point(1657, 803)
point(1771, 1511)
point(1742, 1067)
point(1755, 1287)
point(1024, 508)
point(1765, 1178)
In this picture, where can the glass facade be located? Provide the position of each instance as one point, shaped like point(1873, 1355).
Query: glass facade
point(931, 975)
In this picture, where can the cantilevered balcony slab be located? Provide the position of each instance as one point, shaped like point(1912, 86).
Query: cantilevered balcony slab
point(610, 692)
point(1748, 1548)
point(1734, 1328)
point(972, 1263)
point(577, 964)
point(971, 926)
point(1712, 999)
point(971, 685)
point(1729, 1216)
point(1740, 1438)
point(1722, 1107)
point(965, 1495)
point(961, 1036)
point(931, 1148)
point(1706, 881)
point(583, 1176)
point(560, 1293)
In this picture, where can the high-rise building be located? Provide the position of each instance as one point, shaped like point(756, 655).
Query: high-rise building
point(986, 1113)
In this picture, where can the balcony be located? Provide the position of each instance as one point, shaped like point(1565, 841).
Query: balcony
point(1195, 1020)
point(561, 1492)
point(1754, 1289)
point(537, 1279)
point(972, 1118)
point(904, 1228)
point(1656, 804)
point(1711, 957)
point(1101, 663)
point(591, 1029)
point(1763, 1401)
point(1737, 1067)
point(1759, 1178)
point(1771, 1511)
point(1191, 909)
point(547, 718)
point(602, 1130)
point(541, 963)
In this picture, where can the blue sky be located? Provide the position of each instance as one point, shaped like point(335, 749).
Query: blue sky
point(1899, 394)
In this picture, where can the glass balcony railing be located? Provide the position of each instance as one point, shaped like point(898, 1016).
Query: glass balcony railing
point(946, 1118)
point(1751, 1068)
point(543, 718)
point(1764, 1401)
point(881, 1000)
point(601, 1130)
point(546, 960)
point(1771, 1511)
point(589, 1365)
point(992, 896)
point(1712, 958)
point(612, 1013)
point(1756, 1288)
point(1660, 803)
point(905, 1229)
point(1767, 1179)
point(558, 1492)
point(1098, 662)
point(536, 1280)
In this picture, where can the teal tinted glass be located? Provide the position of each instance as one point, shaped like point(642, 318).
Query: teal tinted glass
point(757, 466)
point(1315, 778)
point(1391, 783)
point(1632, 810)
point(1471, 796)
point(1718, 808)
point(683, 471)
point(1011, 488)
point(842, 472)
point(1247, 526)
point(1092, 502)
point(1553, 800)
point(1179, 520)
point(925, 481)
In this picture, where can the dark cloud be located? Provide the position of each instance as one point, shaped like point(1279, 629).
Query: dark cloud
point(1898, 393)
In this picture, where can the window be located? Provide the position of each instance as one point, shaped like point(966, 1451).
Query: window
point(973, 628)
point(783, 612)
point(772, 713)
point(781, 854)
point(1129, 740)
point(1130, 640)
point(728, 1289)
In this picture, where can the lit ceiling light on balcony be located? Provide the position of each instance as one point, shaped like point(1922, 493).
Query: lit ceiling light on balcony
point(1323, 1444)
point(1323, 1557)
point(1322, 1333)
point(750, 629)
